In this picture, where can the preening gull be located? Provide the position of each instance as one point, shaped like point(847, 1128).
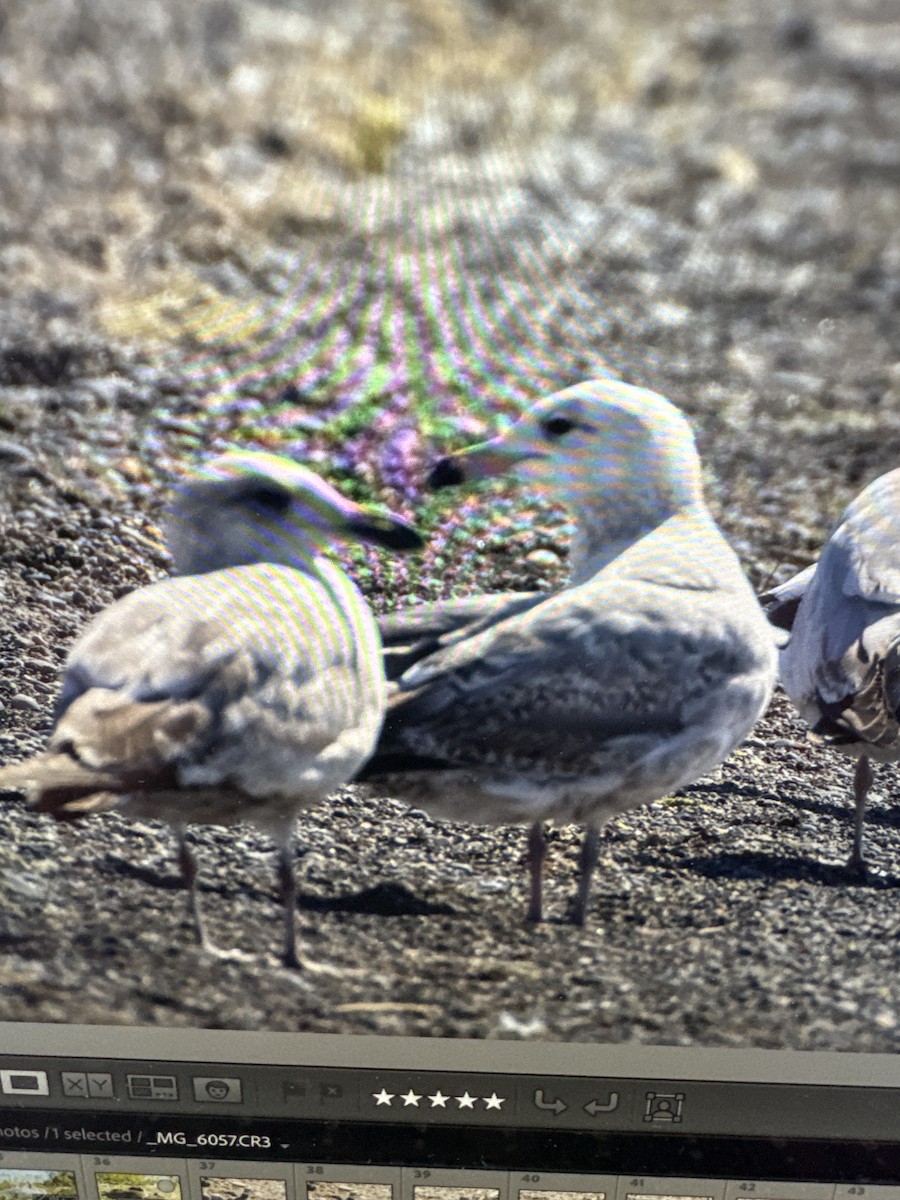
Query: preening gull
point(246, 688)
point(841, 664)
point(638, 677)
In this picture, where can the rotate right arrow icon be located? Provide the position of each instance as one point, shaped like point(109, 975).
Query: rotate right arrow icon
point(555, 1106)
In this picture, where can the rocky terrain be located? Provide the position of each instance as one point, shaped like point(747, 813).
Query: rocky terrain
point(360, 234)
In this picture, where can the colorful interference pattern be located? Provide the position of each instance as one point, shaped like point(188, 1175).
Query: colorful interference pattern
point(394, 339)
point(377, 360)
point(362, 351)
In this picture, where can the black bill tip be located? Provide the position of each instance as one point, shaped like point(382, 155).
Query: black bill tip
point(446, 472)
point(389, 532)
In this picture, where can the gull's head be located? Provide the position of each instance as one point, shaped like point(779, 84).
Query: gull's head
point(249, 507)
point(600, 444)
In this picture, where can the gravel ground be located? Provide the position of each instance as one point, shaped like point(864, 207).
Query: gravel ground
point(358, 234)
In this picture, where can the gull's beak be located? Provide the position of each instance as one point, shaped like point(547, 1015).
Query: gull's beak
point(364, 523)
point(499, 456)
point(381, 529)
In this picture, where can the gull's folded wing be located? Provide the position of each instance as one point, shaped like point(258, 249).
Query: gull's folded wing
point(842, 664)
point(565, 682)
point(413, 633)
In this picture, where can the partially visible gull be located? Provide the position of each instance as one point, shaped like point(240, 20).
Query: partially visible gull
point(641, 675)
point(245, 689)
point(841, 664)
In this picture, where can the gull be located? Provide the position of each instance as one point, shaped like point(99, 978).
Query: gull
point(638, 677)
point(245, 688)
point(841, 663)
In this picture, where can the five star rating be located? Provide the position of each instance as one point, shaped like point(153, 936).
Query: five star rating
point(411, 1099)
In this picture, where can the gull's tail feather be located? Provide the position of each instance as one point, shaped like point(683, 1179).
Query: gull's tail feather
point(67, 803)
point(105, 748)
point(780, 604)
point(58, 784)
point(868, 715)
point(48, 771)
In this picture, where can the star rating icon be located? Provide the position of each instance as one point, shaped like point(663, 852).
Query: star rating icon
point(437, 1099)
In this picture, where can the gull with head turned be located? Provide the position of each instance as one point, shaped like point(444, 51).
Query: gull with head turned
point(841, 664)
point(638, 677)
point(246, 688)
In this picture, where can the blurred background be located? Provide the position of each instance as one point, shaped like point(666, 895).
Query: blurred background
point(353, 229)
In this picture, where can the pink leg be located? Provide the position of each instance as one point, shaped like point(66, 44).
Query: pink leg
point(187, 861)
point(288, 895)
point(537, 852)
point(587, 861)
point(863, 778)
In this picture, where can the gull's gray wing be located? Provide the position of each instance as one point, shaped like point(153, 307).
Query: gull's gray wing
point(863, 563)
point(841, 666)
point(439, 618)
point(869, 533)
point(413, 633)
point(596, 668)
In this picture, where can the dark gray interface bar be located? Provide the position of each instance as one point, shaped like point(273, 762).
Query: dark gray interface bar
point(452, 1099)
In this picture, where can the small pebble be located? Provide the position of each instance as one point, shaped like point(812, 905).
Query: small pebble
point(542, 558)
point(13, 453)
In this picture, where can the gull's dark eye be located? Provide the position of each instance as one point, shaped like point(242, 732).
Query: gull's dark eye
point(267, 497)
point(556, 427)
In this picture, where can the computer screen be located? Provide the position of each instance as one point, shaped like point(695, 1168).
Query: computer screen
point(365, 237)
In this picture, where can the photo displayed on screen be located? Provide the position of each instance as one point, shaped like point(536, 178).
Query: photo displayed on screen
point(242, 1189)
point(118, 1185)
point(37, 1185)
point(420, 426)
point(455, 1193)
point(327, 1190)
point(546, 1194)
